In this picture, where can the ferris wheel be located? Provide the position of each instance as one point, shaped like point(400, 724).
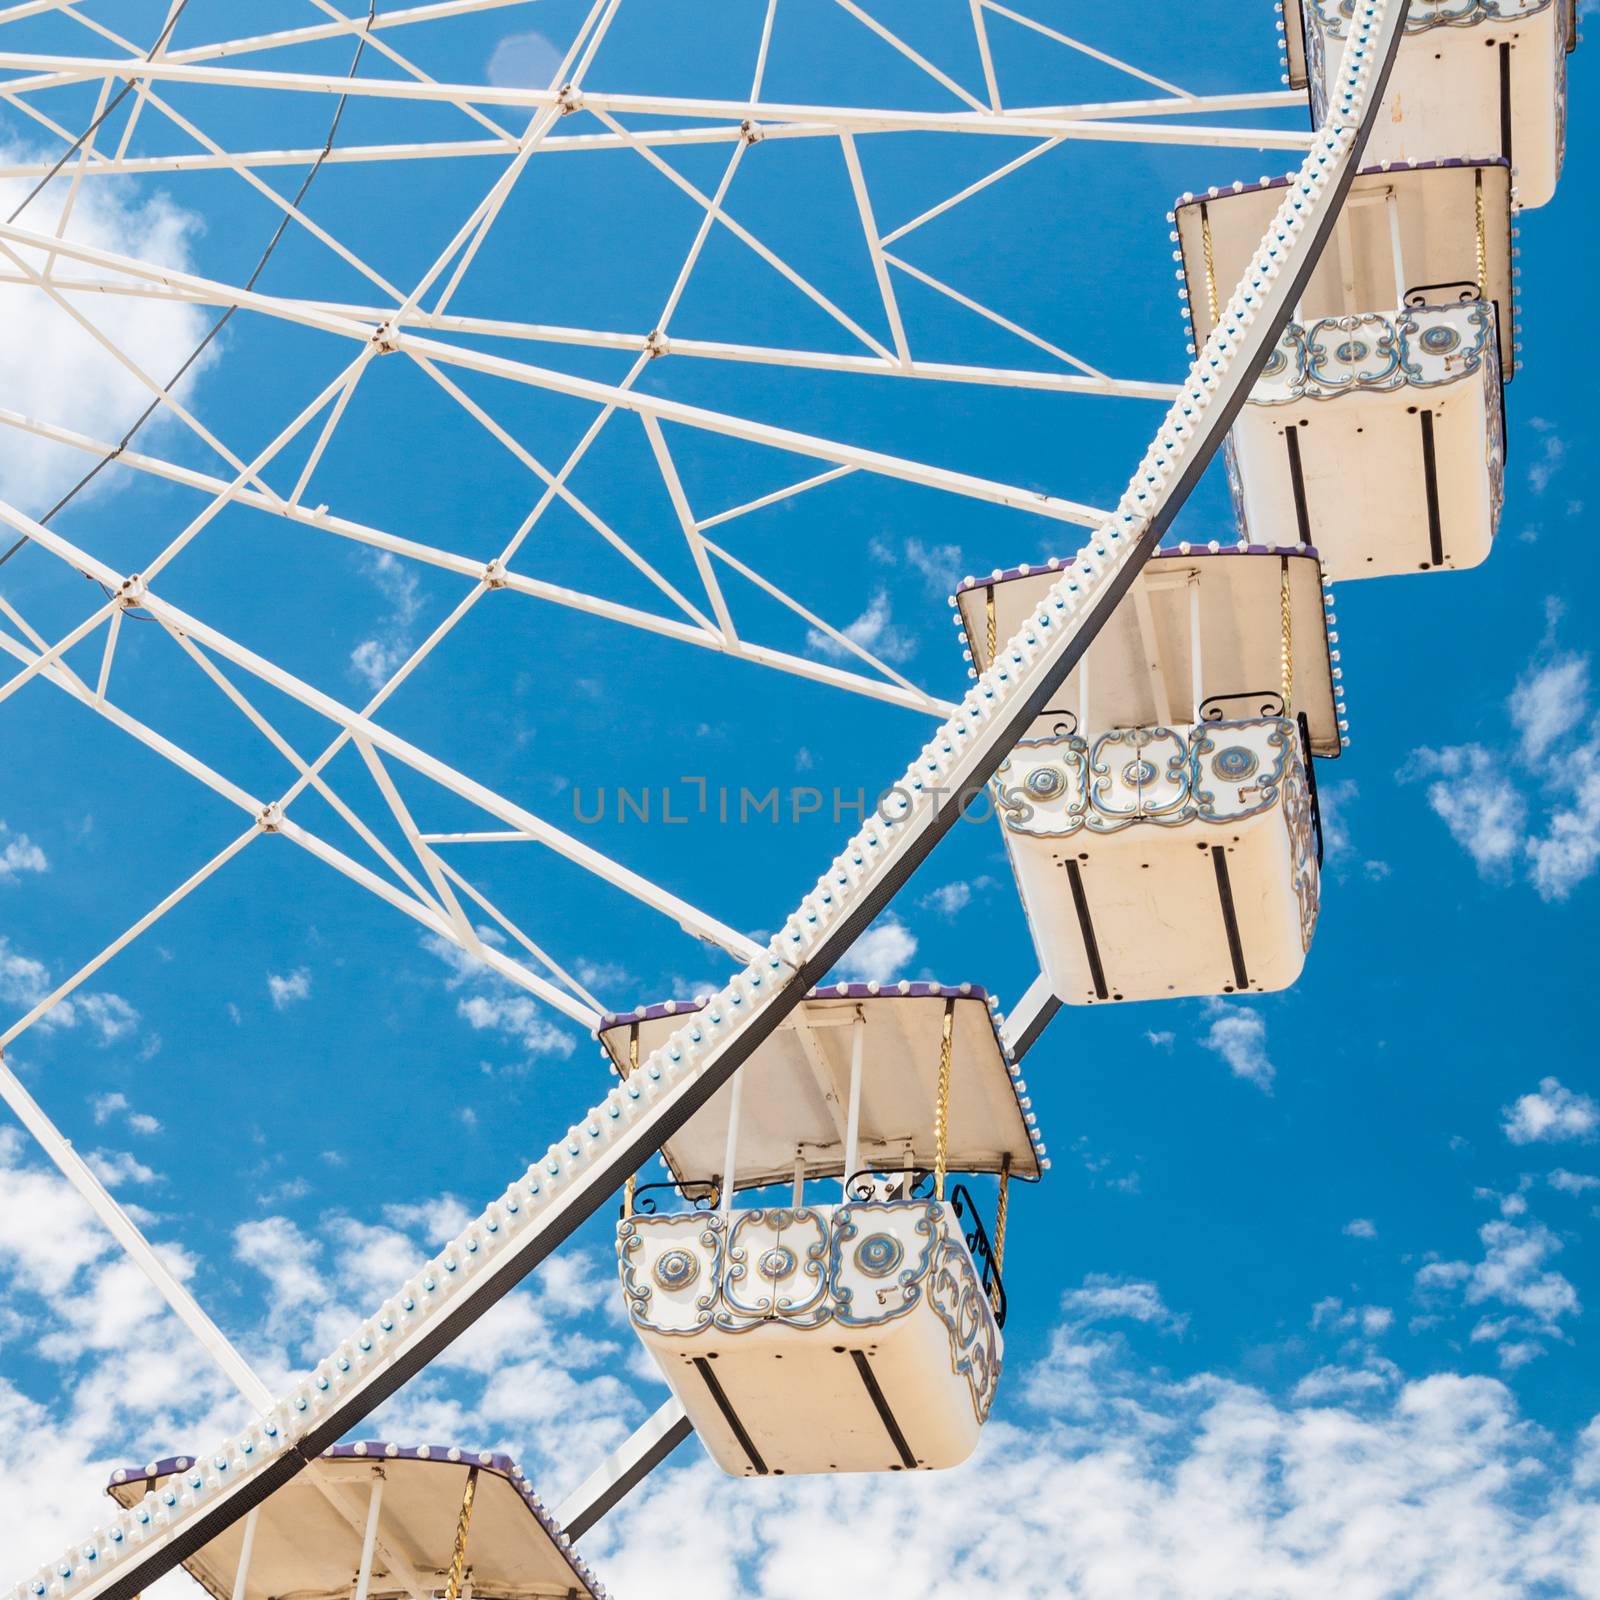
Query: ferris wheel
point(820, 1278)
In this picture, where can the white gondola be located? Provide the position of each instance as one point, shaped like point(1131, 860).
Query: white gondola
point(377, 1521)
point(856, 1334)
point(1162, 817)
point(1376, 431)
point(1472, 77)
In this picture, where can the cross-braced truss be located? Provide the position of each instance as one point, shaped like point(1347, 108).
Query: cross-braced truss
point(106, 107)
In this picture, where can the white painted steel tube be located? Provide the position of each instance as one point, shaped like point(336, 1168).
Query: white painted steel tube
point(852, 1126)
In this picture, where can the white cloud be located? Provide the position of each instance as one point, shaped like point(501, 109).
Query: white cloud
point(1548, 463)
point(1512, 1273)
point(524, 61)
point(950, 899)
point(1361, 1228)
point(1518, 1353)
point(287, 1259)
point(464, 966)
point(1338, 802)
point(1335, 799)
point(116, 1167)
point(874, 630)
point(108, 1014)
point(1239, 1035)
point(25, 982)
point(939, 564)
point(51, 368)
point(1485, 796)
point(106, 1106)
point(600, 974)
point(521, 1019)
point(19, 853)
point(286, 990)
point(1477, 802)
point(881, 954)
point(1334, 1316)
point(1572, 1182)
point(500, 1008)
point(1160, 1038)
point(1548, 703)
point(376, 659)
point(1103, 1298)
point(1128, 1484)
point(1553, 1113)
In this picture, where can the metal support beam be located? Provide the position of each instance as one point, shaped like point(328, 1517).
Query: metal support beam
point(624, 1469)
point(585, 1167)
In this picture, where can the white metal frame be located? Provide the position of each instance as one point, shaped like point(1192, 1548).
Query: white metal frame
point(539, 1209)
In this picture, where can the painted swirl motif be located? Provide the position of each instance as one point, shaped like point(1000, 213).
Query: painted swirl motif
point(675, 1269)
point(1139, 790)
point(1215, 772)
point(866, 1263)
point(1421, 347)
point(958, 1299)
point(776, 1264)
point(1305, 875)
point(1043, 789)
point(879, 1254)
point(1235, 763)
point(1274, 744)
point(1333, 17)
point(672, 1254)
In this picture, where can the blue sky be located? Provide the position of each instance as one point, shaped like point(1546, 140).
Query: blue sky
point(1304, 1303)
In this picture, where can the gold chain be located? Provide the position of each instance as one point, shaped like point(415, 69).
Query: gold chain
point(1000, 1224)
point(1211, 267)
point(458, 1556)
point(941, 1110)
point(633, 1067)
point(1483, 244)
point(1288, 636)
point(988, 614)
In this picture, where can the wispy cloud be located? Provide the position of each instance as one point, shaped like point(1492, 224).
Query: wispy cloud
point(288, 989)
point(497, 1006)
point(875, 630)
point(1486, 797)
point(518, 1018)
point(1552, 453)
point(25, 982)
point(1513, 1273)
point(1572, 1182)
point(114, 1168)
point(52, 368)
point(376, 658)
point(1104, 1298)
point(1552, 1113)
point(1332, 1315)
point(949, 899)
point(107, 1107)
point(1239, 1035)
point(524, 61)
point(19, 854)
point(882, 954)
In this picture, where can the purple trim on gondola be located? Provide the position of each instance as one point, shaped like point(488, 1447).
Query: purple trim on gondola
point(903, 990)
point(1181, 552)
point(825, 991)
point(382, 1450)
point(1228, 191)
